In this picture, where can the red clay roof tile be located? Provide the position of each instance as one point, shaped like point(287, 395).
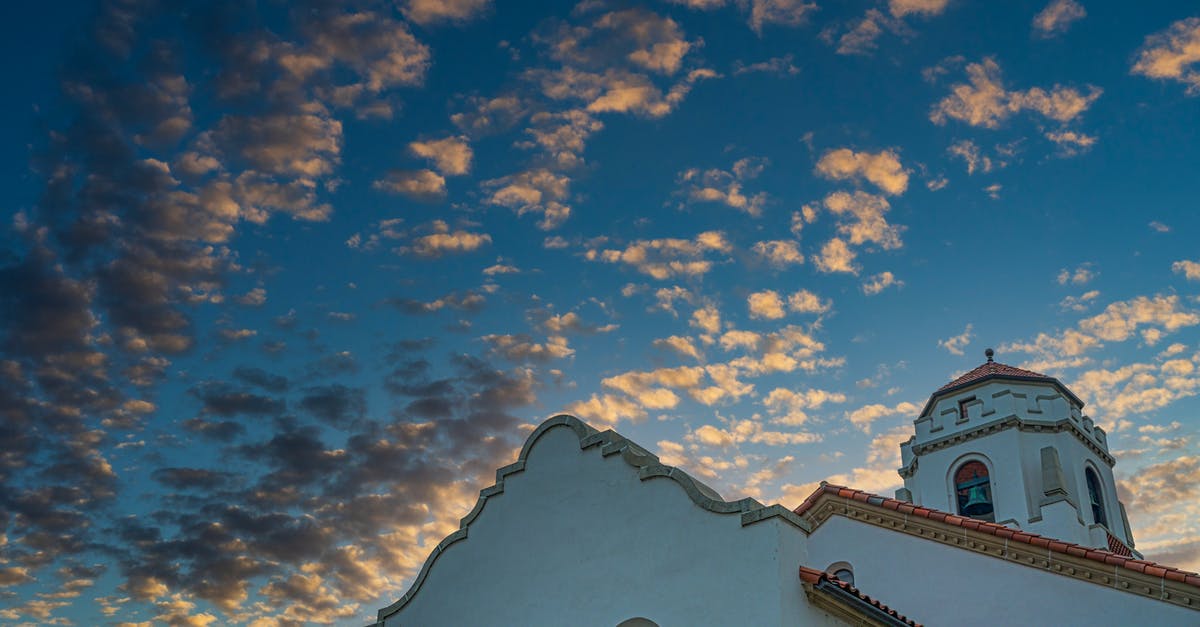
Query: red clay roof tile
point(994, 368)
point(814, 577)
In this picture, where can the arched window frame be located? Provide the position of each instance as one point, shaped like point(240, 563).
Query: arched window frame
point(1099, 509)
point(952, 486)
point(840, 570)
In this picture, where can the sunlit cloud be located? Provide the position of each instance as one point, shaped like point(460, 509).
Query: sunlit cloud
point(725, 187)
point(883, 169)
point(666, 258)
point(1057, 17)
point(985, 102)
point(1173, 54)
point(955, 344)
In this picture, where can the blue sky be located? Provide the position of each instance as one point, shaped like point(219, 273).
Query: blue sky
point(282, 285)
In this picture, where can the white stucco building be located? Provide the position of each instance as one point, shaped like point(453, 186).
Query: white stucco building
point(1009, 515)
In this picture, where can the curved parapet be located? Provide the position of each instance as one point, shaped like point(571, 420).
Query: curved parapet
point(609, 443)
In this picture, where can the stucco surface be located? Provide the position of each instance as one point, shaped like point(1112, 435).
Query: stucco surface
point(945, 585)
point(579, 538)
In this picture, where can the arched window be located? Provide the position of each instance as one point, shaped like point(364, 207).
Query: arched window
point(1096, 497)
point(638, 622)
point(843, 571)
point(974, 491)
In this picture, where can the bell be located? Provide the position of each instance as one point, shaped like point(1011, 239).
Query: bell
point(977, 502)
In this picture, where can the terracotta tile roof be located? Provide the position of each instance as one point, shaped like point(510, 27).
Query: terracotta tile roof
point(817, 578)
point(1015, 535)
point(1116, 546)
point(991, 369)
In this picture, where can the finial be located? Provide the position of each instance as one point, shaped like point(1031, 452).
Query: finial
point(989, 353)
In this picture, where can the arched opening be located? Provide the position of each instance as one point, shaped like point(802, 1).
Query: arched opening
point(974, 491)
point(1095, 497)
point(638, 622)
point(842, 570)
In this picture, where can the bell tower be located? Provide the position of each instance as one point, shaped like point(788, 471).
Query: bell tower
point(1012, 446)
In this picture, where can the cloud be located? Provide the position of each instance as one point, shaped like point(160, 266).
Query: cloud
point(1080, 276)
point(432, 11)
point(883, 169)
point(261, 378)
point(1071, 143)
point(538, 191)
point(766, 304)
point(1117, 323)
point(861, 39)
point(638, 37)
point(1057, 17)
point(335, 405)
point(1079, 303)
point(1159, 226)
point(1138, 387)
point(870, 225)
point(779, 253)
point(1172, 54)
point(521, 348)
point(500, 268)
point(984, 101)
point(683, 346)
point(836, 256)
point(725, 187)
point(770, 305)
point(760, 13)
point(650, 389)
point(467, 301)
point(876, 283)
point(607, 410)
point(425, 185)
point(451, 155)
point(707, 319)
point(443, 240)
point(254, 298)
point(777, 13)
point(303, 144)
point(972, 157)
point(571, 322)
point(804, 301)
point(748, 431)
point(787, 406)
point(1189, 269)
point(486, 116)
point(865, 416)
point(562, 136)
point(782, 66)
point(668, 257)
point(956, 343)
point(900, 8)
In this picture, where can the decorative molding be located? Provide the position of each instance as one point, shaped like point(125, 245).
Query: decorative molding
point(1110, 575)
point(609, 443)
point(1009, 423)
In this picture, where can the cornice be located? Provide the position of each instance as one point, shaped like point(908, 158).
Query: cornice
point(1008, 423)
point(1102, 573)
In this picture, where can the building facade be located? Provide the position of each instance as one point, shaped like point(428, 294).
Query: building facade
point(1008, 515)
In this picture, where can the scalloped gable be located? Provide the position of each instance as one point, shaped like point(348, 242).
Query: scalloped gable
point(607, 443)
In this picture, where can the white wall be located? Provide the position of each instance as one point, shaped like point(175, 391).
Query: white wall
point(938, 584)
point(579, 539)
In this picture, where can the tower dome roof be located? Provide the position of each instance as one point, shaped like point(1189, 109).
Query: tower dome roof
point(991, 369)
